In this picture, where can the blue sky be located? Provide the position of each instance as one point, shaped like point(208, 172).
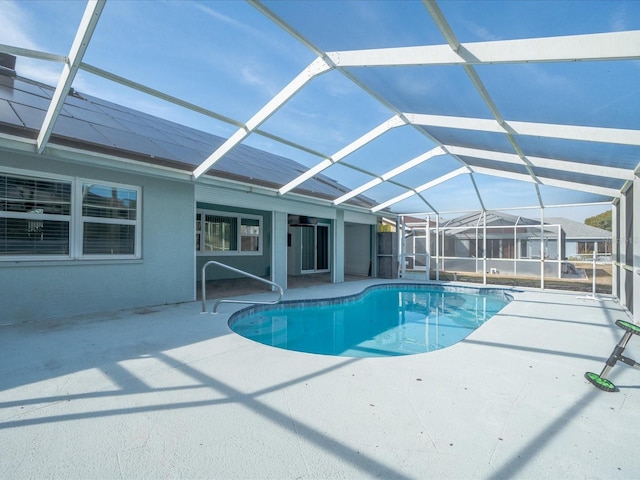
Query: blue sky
point(228, 57)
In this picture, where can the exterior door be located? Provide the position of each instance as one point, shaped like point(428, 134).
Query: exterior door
point(315, 248)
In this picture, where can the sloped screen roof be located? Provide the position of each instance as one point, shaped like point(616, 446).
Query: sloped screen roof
point(420, 106)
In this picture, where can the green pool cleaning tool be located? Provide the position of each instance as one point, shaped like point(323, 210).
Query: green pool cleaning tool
point(600, 381)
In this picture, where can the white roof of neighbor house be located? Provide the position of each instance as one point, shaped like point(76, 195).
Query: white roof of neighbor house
point(421, 106)
point(574, 229)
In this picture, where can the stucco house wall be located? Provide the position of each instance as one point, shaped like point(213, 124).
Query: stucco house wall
point(36, 290)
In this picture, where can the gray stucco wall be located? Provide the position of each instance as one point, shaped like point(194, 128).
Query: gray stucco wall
point(38, 291)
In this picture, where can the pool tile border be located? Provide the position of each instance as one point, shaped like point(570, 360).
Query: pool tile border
point(287, 304)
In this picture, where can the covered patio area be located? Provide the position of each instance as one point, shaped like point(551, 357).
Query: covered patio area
point(167, 392)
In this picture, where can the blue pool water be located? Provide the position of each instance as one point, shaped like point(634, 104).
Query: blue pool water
point(384, 320)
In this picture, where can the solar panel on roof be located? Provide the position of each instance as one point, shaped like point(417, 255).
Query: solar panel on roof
point(7, 115)
point(75, 129)
point(91, 116)
point(32, 118)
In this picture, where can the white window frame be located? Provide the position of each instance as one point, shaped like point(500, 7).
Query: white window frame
point(75, 219)
point(239, 217)
point(80, 220)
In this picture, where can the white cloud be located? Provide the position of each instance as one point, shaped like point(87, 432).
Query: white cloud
point(251, 76)
point(223, 18)
point(618, 20)
point(544, 76)
point(14, 24)
point(16, 31)
point(482, 32)
point(44, 72)
point(265, 37)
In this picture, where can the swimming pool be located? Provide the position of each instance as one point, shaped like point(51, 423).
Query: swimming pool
point(383, 320)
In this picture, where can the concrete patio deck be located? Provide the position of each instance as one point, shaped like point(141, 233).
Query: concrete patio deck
point(167, 392)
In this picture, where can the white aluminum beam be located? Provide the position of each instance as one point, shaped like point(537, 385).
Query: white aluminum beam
point(571, 48)
point(36, 54)
point(469, 69)
point(442, 24)
point(85, 30)
point(421, 188)
point(575, 167)
point(552, 182)
point(390, 174)
point(384, 127)
point(156, 93)
point(569, 132)
point(317, 67)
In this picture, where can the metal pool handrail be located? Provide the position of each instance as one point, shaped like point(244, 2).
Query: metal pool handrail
point(242, 272)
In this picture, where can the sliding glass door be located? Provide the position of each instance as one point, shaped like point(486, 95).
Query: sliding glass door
point(315, 248)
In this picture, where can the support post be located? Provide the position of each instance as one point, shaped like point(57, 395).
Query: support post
point(337, 267)
point(403, 248)
point(542, 248)
point(484, 247)
point(279, 232)
point(635, 242)
point(437, 247)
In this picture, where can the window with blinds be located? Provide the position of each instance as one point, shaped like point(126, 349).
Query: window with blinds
point(220, 233)
point(34, 216)
point(109, 218)
point(67, 218)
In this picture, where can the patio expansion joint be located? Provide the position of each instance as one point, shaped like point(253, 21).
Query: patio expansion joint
point(501, 438)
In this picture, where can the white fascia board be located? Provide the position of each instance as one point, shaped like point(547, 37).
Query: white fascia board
point(552, 182)
point(87, 26)
point(223, 192)
point(79, 156)
point(317, 67)
point(569, 132)
point(562, 165)
point(589, 47)
point(384, 127)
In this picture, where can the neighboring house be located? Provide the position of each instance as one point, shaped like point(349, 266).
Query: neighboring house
point(109, 217)
point(510, 244)
point(581, 240)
